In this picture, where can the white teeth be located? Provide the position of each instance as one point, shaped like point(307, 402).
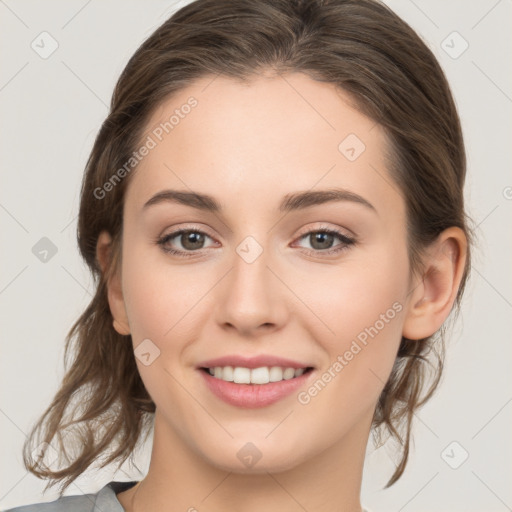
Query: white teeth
point(262, 375)
point(259, 375)
point(276, 374)
point(227, 373)
point(289, 373)
point(241, 375)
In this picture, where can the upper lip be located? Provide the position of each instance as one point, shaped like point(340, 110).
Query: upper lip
point(252, 362)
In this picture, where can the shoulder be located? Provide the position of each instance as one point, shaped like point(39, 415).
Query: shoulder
point(104, 500)
point(72, 503)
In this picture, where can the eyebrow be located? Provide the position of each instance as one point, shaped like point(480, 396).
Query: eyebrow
point(290, 202)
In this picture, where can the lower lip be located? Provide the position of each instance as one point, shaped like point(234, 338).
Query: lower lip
point(251, 396)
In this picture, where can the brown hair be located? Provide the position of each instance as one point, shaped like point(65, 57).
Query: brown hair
point(363, 48)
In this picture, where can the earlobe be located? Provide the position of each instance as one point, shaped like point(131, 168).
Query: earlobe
point(114, 288)
point(434, 293)
point(121, 328)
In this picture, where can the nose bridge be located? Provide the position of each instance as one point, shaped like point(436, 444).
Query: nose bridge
point(251, 295)
point(250, 276)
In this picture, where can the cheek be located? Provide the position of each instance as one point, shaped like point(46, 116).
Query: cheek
point(159, 300)
point(353, 296)
point(361, 307)
point(158, 295)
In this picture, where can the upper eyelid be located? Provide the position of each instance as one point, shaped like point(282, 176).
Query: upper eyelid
point(179, 231)
point(339, 230)
point(302, 232)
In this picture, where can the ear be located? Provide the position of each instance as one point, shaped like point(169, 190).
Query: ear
point(434, 293)
point(114, 288)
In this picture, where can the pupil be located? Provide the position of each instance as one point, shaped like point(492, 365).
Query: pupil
point(193, 240)
point(321, 238)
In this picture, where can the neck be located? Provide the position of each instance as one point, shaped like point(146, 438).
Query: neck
point(180, 479)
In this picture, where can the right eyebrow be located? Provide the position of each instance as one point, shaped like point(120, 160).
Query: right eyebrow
point(192, 199)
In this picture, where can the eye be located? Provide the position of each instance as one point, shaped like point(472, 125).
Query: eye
point(321, 241)
point(191, 240)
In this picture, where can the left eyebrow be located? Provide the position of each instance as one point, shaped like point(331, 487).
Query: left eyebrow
point(290, 202)
point(309, 198)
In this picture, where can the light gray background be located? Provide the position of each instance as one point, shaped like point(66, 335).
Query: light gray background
point(51, 110)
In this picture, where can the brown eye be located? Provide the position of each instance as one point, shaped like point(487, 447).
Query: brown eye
point(188, 241)
point(322, 241)
point(191, 240)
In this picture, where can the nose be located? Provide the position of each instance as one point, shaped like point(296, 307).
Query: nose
point(252, 298)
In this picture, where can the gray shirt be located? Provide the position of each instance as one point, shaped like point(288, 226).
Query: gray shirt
point(105, 500)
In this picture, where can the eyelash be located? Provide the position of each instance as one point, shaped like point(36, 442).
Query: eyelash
point(344, 245)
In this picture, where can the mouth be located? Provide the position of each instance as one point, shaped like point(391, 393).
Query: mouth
point(257, 376)
point(250, 383)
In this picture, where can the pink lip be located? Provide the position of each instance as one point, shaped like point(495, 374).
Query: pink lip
point(252, 362)
point(253, 395)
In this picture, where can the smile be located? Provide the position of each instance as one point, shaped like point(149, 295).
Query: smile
point(254, 387)
point(261, 375)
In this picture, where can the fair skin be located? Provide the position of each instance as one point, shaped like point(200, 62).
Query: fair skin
point(248, 146)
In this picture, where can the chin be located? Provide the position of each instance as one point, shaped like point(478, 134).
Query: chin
point(260, 456)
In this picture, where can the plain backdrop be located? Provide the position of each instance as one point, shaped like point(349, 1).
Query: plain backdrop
point(51, 109)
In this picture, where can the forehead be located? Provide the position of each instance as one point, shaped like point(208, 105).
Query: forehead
point(237, 140)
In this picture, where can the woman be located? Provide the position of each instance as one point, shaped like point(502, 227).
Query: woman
point(274, 213)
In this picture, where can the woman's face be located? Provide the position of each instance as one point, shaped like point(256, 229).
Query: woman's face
point(255, 280)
